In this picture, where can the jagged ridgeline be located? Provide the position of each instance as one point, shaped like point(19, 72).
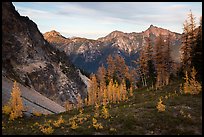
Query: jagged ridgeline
point(89, 54)
point(29, 59)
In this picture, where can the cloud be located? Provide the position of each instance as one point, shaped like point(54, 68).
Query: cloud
point(87, 34)
point(86, 16)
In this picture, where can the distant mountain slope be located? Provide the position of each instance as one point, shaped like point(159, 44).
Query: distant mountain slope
point(89, 54)
point(29, 59)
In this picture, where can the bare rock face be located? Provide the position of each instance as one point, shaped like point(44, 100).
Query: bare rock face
point(29, 59)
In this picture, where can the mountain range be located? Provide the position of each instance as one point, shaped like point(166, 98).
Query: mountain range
point(89, 54)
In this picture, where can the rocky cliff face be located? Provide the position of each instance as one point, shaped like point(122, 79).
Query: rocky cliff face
point(90, 54)
point(29, 59)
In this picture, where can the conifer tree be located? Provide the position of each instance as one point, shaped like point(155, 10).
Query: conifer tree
point(149, 57)
point(188, 42)
point(167, 60)
point(114, 93)
point(118, 94)
point(101, 76)
point(105, 98)
point(16, 102)
point(123, 90)
point(110, 91)
point(111, 67)
point(131, 91)
point(197, 52)
point(143, 66)
point(121, 68)
point(92, 91)
point(132, 77)
point(146, 66)
point(159, 61)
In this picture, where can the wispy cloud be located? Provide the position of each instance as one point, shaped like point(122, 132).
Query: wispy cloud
point(106, 16)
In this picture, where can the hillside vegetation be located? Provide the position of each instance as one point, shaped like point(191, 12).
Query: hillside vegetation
point(137, 115)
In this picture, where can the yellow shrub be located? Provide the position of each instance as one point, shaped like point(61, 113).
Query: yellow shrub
point(96, 125)
point(191, 86)
point(74, 125)
point(46, 129)
point(105, 113)
point(58, 122)
point(160, 106)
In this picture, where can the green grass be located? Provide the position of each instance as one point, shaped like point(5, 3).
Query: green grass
point(138, 115)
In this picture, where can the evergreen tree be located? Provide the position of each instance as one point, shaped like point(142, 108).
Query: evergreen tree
point(188, 43)
point(150, 65)
point(197, 52)
point(167, 60)
point(159, 61)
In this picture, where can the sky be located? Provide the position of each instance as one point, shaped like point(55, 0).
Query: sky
point(97, 19)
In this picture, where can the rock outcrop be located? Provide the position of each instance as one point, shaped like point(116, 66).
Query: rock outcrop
point(29, 59)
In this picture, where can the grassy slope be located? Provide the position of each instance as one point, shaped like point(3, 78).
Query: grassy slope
point(138, 115)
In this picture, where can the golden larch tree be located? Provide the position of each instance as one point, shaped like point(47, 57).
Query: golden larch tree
point(101, 76)
point(111, 67)
point(123, 90)
point(92, 91)
point(110, 91)
point(16, 102)
point(188, 42)
point(131, 91)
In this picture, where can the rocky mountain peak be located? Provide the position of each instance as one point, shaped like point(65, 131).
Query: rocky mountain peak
point(152, 27)
point(156, 31)
point(116, 33)
point(113, 35)
point(52, 33)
